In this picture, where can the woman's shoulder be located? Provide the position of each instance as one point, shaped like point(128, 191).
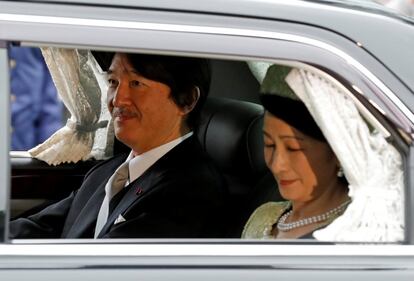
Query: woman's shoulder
point(270, 207)
point(260, 223)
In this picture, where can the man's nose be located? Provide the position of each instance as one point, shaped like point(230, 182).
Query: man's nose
point(121, 95)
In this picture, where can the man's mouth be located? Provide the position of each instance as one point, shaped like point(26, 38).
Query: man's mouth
point(122, 114)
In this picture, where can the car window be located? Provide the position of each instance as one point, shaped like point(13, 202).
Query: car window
point(257, 203)
point(340, 75)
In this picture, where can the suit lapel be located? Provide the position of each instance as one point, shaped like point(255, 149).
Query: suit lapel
point(86, 219)
point(85, 222)
point(146, 184)
point(136, 191)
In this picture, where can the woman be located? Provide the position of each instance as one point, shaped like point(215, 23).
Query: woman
point(306, 169)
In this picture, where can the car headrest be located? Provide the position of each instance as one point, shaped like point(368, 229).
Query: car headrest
point(231, 133)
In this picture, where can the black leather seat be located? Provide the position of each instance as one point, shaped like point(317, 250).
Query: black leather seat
point(231, 133)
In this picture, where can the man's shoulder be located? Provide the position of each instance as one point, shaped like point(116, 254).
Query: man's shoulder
point(190, 169)
point(188, 155)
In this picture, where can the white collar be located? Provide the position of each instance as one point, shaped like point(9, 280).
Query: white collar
point(140, 163)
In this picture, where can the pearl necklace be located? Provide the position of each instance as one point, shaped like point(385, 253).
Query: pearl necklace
point(282, 226)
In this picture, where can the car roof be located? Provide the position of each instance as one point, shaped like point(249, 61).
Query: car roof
point(363, 22)
point(256, 8)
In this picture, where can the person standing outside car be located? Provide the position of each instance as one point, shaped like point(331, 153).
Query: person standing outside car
point(36, 109)
point(166, 187)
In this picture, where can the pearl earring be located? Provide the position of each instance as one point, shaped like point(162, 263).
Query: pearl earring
point(340, 172)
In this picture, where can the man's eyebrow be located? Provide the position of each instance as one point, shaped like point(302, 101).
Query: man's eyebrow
point(132, 70)
point(135, 72)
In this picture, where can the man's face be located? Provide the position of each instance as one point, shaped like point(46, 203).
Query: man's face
point(145, 116)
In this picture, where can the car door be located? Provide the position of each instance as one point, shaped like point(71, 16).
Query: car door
point(381, 92)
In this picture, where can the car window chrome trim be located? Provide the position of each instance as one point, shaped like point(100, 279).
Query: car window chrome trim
point(114, 248)
point(4, 142)
point(216, 31)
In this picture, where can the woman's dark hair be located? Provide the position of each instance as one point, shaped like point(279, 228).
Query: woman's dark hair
point(181, 74)
point(294, 113)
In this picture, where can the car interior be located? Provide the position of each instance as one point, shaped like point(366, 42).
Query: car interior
point(230, 131)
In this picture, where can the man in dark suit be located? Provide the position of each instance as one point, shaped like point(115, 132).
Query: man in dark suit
point(171, 189)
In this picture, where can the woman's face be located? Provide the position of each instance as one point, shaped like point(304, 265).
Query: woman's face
point(304, 167)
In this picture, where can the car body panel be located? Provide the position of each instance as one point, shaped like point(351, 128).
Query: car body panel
point(159, 261)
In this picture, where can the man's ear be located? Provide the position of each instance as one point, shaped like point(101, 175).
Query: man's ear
point(191, 100)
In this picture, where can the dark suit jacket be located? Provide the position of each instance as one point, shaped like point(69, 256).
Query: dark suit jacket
point(180, 196)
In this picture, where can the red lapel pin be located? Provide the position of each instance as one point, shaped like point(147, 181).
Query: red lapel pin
point(138, 191)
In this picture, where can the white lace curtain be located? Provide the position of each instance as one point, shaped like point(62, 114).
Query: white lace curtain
point(371, 165)
point(82, 88)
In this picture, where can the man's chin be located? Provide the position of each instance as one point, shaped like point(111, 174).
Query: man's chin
point(122, 136)
point(125, 137)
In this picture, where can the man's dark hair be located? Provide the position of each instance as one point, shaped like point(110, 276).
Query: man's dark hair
point(181, 74)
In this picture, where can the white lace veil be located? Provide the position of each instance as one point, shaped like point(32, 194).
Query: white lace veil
point(82, 88)
point(371, 165)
